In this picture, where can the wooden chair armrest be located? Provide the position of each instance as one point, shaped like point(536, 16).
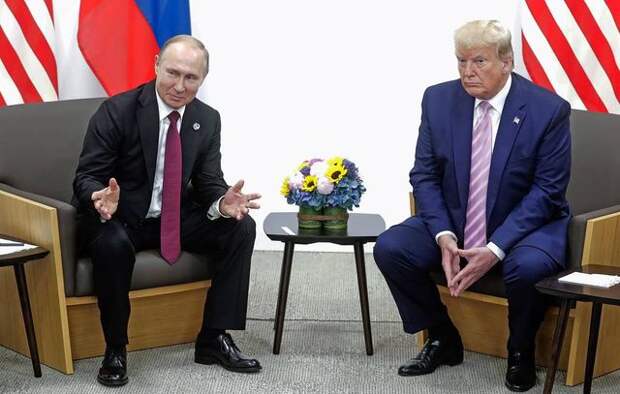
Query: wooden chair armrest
point(602, 240)
point(38, 224)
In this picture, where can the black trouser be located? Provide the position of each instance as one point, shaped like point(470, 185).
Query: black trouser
point(112, 246)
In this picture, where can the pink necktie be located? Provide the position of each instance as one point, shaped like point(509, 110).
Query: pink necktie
point(170, 234)
point(475, 223)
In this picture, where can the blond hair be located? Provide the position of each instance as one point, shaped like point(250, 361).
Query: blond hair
point(484, 33)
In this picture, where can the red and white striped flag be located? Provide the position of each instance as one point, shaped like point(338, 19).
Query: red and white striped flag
point(572, 47)
point(27, 62)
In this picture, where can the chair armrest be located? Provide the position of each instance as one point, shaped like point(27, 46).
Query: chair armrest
point(412, 205)
point(67, 228)
point(578, 240)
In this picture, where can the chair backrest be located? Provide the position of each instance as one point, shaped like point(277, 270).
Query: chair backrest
point(595, 169)
point(40, 145)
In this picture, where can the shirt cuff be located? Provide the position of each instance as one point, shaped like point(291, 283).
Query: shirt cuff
point(496, 251)
point(214, 211)
point(445, 232)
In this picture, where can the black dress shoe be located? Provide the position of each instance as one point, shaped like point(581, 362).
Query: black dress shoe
point(435, 352)
point(521, 372)
point(113, 371)
point(224, 352)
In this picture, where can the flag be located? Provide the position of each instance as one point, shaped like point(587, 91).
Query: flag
point(120, 38)
point(572, 47)
point(27, 63)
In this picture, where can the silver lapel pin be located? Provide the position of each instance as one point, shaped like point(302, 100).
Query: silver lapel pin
point(516, 120)
point(196, 126)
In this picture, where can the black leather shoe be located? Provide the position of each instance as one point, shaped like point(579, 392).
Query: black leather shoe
point(435, 352)
point(113, 371)
point(224, 352)
point(521, 372)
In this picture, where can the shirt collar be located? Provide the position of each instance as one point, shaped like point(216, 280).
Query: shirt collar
point(498, 101)
point(165, 109)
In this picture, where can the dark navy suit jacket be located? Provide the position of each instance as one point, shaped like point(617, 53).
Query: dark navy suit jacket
point(530, 166)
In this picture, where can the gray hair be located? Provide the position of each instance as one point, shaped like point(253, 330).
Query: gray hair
point(484, 33)
point(192, 41)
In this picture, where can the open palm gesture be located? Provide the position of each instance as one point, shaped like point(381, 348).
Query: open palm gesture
point(106, 200)
point(236, 204)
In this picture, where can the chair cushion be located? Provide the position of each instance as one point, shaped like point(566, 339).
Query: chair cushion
point(40, 145)
point(151, 270)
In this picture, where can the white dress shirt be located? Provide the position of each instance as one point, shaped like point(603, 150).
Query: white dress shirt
point(158, 180)
point(497, 106)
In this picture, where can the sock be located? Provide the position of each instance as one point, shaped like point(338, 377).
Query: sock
point(445, 330)
point(211, 333)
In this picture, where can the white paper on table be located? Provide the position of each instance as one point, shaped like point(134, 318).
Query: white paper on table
point(8, 246)
point(598, 280)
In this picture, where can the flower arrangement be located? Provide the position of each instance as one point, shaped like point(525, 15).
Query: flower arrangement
point(318, 183)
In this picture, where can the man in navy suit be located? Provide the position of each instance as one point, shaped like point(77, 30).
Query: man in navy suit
point(492, 165)
point(142, 150)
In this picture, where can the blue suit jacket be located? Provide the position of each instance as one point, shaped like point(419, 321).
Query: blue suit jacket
point(530, 166)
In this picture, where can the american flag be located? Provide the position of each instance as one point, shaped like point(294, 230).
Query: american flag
point(573, 48)
point(27, 63)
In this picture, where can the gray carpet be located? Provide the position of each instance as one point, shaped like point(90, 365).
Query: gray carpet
point(322, 348)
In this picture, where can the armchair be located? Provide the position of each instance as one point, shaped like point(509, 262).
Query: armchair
point(594, 238)
point(38, 157)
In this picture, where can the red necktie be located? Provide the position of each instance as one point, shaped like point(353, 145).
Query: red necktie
point(476, 223)
point(170, 233)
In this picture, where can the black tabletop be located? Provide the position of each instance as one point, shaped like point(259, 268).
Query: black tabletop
point(609, 295)
point(21, 256)
point(362, 227)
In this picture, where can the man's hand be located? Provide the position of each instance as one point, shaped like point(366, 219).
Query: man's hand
point(479, 262)
point(106, 200)
point(236, 204)
point(449, 258)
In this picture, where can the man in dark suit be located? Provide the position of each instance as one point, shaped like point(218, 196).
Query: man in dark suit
point(142, 150)
point(491, 170)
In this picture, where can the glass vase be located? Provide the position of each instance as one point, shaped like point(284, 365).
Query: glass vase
point(337, 221)
point(305, 217)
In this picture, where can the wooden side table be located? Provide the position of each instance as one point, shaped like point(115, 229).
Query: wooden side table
point(568, 293)
point(362, 228)
point(17, 261)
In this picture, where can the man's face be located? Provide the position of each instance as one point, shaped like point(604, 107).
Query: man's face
point(180, 71)
point(483, 73)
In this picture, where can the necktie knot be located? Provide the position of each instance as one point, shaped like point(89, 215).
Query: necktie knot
point(174, 116)
point(485, 107)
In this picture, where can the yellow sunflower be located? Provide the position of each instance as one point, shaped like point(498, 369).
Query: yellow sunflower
point(335, 161)
point(285, 189)
point(310, 183)
point(335, 173)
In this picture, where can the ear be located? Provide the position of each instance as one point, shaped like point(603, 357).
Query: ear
point(507, 65)
point(156, 63)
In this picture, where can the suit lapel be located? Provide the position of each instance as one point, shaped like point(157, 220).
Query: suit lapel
point(462, 124)
point(191, 131)
point(512, 118)
point(148, 125)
